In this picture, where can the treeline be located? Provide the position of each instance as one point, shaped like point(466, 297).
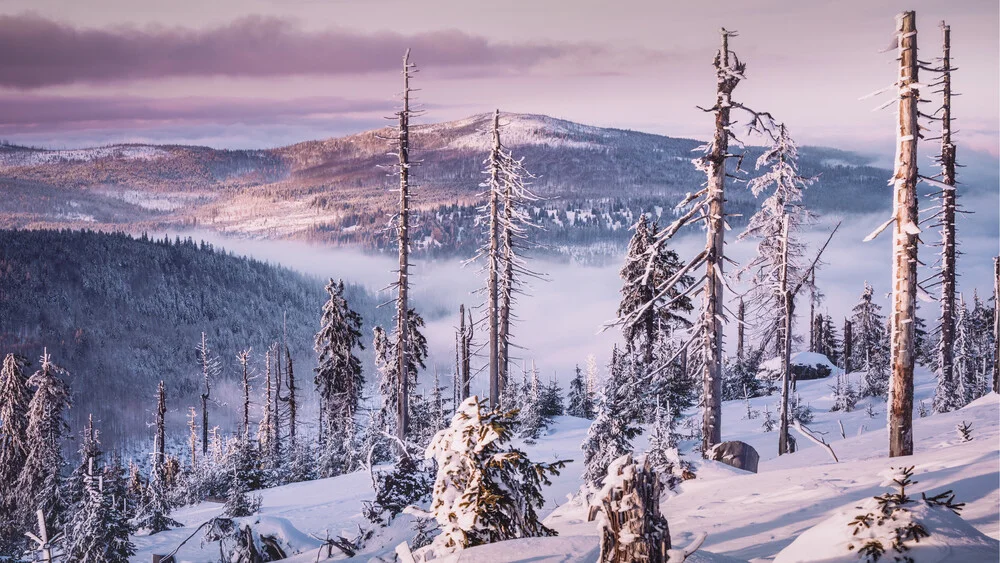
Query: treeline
point(121, 313)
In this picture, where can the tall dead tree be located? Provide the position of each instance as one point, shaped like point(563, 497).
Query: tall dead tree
point(209, 369)
point(996, 324)
point(848, 348)
point(243, 357)
point(905, 239)
point(276, 409)
point(905, 231)
point(944, 396)
point(290, 399)
point(403, 239)
point(161, 432)
point(741, 316)
point(493, 263)
point(464, 353)
point(708, 205)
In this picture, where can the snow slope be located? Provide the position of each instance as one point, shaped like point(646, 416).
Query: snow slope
point(748, 517)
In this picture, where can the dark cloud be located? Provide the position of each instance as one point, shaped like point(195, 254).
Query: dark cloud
point(34, 112)
point(41, 52)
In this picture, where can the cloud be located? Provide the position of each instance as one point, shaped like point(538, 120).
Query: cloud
point(42, 52)
point(23, 113)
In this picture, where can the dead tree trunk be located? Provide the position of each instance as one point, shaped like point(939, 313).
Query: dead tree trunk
point(276, 419)
point(403, 284)
point(715, 247)
point(740, 321)
point(493, 263)
point(161, 432)
point(786, 344)
point(905, 239)
point(632, 509)
point(506, 287)
point(206, 394)
point(813, 336)
point(291, 400)
point(996, 324)
point(244, 359)
point(465, 353)
point(848, 347)
point(946, 344)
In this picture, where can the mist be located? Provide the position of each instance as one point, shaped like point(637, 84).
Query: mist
point(560, 319)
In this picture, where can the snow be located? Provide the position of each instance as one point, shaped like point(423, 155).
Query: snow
point(748, 517)
point(30, 157)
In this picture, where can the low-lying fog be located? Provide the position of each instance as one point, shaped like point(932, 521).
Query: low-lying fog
point(559, 322)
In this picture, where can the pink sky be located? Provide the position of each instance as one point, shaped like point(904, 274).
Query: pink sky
point(258, 73)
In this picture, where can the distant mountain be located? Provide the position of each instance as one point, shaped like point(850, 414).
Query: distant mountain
point(595, 180)
point(121, 313)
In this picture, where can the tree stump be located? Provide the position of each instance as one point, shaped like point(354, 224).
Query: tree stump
point(633, 529)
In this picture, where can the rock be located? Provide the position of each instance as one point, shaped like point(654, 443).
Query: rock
point(803, 372)
point(740, 455)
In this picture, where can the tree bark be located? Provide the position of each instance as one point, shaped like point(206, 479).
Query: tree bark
point(786, 345)
point(402, 305)
point(741, 319)
point(715, 244)
point(493, 281)
point(996, 324)
point(946, 344)
point(466, 353)
point(905, 239)
point(161, 432)
point(292, 403)
point(848, 347)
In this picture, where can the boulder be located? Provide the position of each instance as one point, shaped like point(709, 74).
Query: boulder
point(740, 455)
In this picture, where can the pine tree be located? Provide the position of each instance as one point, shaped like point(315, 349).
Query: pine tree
point(579, 399)
point(485, 490)
point(663, 453)
point(965, 359)
point(99, 532)
point(870, 345)
point(154, 511)
point(39, 484)
point(339, 378)
point(552, 401)
point(531, 418)
point(610, 435)
point(14, 401)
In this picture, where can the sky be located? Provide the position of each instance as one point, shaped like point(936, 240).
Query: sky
point(263, 73)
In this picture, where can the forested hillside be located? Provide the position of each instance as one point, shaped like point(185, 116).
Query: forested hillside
point(121, 313)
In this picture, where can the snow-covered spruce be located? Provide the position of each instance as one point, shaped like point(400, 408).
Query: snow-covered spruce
point(14, 400)
point(610, 435)
point(486, 490)
point(339, 381)
point(870, 345)
point(98, 532)
point(581, 403)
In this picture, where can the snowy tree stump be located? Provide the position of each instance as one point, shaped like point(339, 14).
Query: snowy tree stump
point(633, 528)
point(740, 455)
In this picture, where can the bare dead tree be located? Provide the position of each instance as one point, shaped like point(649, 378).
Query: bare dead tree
point(905, 238)
point(996, 324)
point(944, 396)
point(465, 334)
point(161, 433)
point(848, 346)
point(290, 399)
point(402, 284)
point(209, 370)
point(243, 357)
point(276, 414)
point(741, 315)
point(708, 205)
point(493, 263)
point(788, 293)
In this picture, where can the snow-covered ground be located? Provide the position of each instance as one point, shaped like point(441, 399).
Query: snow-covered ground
point(748, 517)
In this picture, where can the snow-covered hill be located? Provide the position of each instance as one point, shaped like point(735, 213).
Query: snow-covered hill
point(748, 517)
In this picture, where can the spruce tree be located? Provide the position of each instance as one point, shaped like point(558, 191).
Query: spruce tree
point(663, 453)
point(531, 418)
point(385, 354)
point(14, 401)
point(339, 379)
point(153, 515)
point(870, 346)
point(486, 490)
point(610, 435)
point(579, 399)
point(39, 485)
point(99, 532)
